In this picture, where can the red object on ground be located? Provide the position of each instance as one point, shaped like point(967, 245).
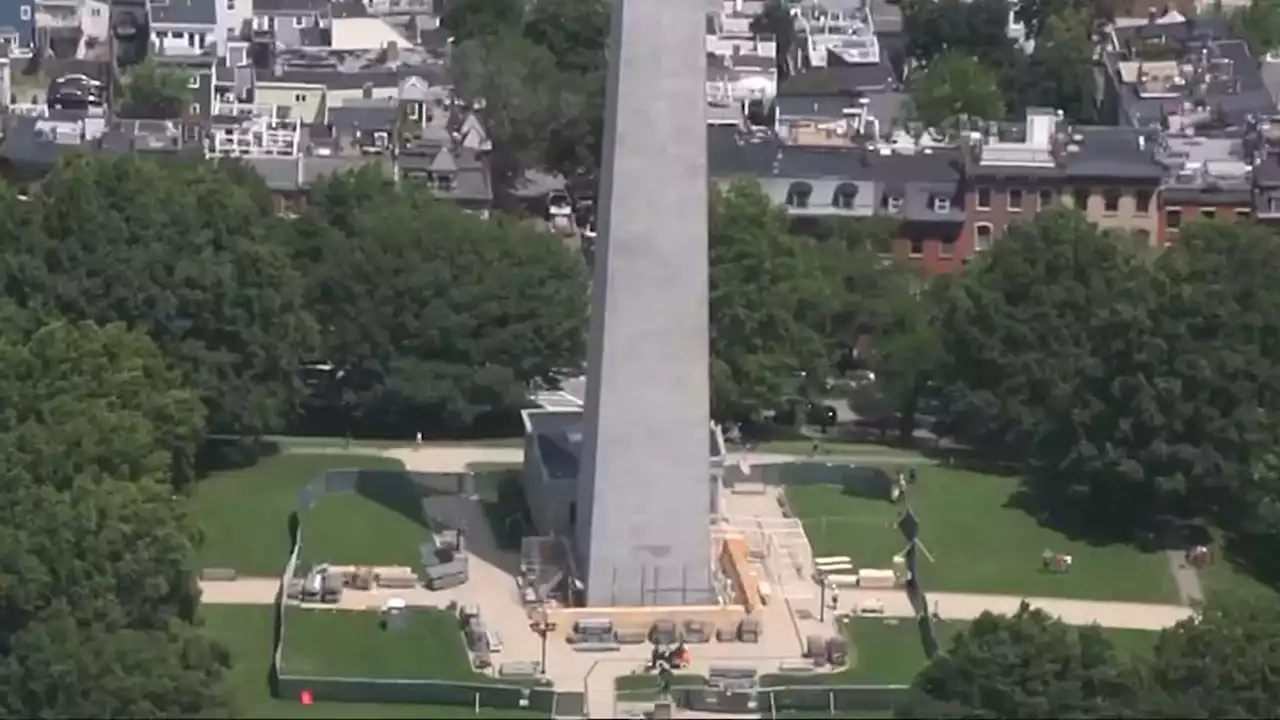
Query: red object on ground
point(305, 697)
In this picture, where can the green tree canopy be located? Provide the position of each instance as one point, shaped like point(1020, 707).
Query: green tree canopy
point(471, 19)
point(1223, 663)
point(154, 92)
point(1030, 665)
point(956, 86)
point(96, 549)
point(771, 294)
point(186, 252)
point(435, 316)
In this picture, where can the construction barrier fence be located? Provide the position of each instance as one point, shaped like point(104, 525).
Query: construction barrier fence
point(468, 697)
point(816, 700)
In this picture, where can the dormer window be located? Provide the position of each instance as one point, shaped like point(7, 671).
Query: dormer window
point(845, 196)
point(894, 204)
point(798, 195)
point(941, 204)
point(443, 182)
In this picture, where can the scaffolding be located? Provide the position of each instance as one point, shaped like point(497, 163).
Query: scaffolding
point(249, 130)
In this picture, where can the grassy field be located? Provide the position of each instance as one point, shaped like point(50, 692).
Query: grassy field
point(340, 643)
point(246, 631)
point(889, 651)
point(980, 540)
point(830, 447)
point(244, 513)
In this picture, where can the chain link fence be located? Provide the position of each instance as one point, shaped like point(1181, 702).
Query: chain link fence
point(427, 495)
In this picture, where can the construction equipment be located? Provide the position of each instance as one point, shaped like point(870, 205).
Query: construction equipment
point(671, 657)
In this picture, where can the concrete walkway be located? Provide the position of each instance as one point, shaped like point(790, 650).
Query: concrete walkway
point(968, 606)
point(1186, 577)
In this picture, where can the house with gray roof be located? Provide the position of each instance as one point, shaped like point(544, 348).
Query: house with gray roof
point(916, 182)
point(185, 27)
point(1191, 74)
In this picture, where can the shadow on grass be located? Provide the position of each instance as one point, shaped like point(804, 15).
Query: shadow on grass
point(1077, 519)
point(218, 454)
point(961, 458)
point(1258, 556)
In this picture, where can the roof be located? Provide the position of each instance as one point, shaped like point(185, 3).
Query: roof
point(184, 12)
point(1113, 152)
point(289, 7)
point(378, 76)
point(368, 115)
point(294, 173)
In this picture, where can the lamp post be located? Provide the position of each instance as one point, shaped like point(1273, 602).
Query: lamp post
point(543, 627)
point(822, 599)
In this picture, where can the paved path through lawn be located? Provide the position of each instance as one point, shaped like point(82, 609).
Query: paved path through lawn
point(1186, 577)
point(968, 606)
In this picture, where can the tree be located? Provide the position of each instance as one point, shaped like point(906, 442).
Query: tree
point(1030, 665)
point(1015, 329)
point(955, 86)
point(771, 294)
point(1059, 73)
point(576, 33)
point(1259, 25)
point(154, 92)
point(470, 19)
point(1222, 663)
point(1036, 15)
point(977, 29)
point(185, 252)
point(774, 20)
point(515, 84)
point(436, 317)
point(96, 549)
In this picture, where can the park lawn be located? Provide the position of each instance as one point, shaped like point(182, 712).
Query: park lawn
point(246, 631)
point(350, 644)
point(831, 447)
point(888, 651)
point(301, 444)
point(244, 513)
point(979, 540)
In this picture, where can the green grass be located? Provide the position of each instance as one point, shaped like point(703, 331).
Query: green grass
point(831, 447)
point(889, 651)
point(246, 631)
point(980, 542)
point(244, 513)
point(300, 444)
point(350, 644)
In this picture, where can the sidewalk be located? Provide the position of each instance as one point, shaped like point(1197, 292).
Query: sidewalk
point(968, 606)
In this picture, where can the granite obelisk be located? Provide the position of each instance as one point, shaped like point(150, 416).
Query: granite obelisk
point(644, 537)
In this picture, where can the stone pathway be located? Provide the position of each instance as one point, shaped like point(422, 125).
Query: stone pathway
point(1186, 577)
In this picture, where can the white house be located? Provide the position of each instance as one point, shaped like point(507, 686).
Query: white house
point(184, 27)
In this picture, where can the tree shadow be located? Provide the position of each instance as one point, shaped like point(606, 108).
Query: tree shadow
point(969, 460)
point(1066, 515)
point(1255, 555)
point(219, 454)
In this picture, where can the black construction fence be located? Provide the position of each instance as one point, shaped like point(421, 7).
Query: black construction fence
point(779, 696)
point(405, 492)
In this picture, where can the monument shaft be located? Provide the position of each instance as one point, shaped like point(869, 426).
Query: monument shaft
point(644, 486)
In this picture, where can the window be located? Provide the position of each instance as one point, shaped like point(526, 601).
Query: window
point(844, 196)
point(1142, 202)
point(1273, 205)
point(982, 233)
point(1173, 219)
point(1015, 200)
point(942, 204)
point(95, 12)
point(917, 247)
point(24, 12)
point(984, 198)
point(444, 182)
point(193, 82)
point(300, 97)
point(1046, 198)
point(947, 248)
point(300, 21)
point(1142, 236)
point(1082, 199)
point(1243, 213)
point(191, 40)
point(202, 39)
point(798, 195)
point(415, 111)
point(894, 204)
point(195, 108)
point(1111, 201)
point(1208, 213)
point(381, 139)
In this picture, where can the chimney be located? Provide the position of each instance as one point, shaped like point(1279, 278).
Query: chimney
point(366, 92)
point(392, 53)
